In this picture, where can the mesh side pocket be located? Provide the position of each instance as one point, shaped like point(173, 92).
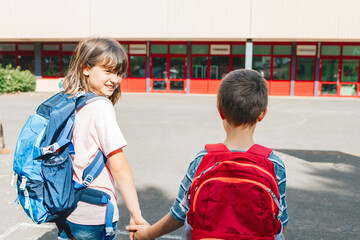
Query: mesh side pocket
point(58, 180)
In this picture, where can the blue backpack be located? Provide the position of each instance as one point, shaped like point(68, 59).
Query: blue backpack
point(43, 164)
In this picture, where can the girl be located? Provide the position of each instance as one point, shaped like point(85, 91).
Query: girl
point(97, 67)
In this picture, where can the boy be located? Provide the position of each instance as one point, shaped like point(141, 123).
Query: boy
point(242, 102)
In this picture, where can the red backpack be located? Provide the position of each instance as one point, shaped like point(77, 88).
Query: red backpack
point(234, 195)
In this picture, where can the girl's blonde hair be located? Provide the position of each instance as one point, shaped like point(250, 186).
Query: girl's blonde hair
point(103, 52)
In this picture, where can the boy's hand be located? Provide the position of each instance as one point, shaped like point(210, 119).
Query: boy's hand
point(136, 220)
point(139, 231)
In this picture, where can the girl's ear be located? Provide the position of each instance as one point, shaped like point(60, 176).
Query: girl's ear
point(262, 115)
point(86, 71)
point(221, 113)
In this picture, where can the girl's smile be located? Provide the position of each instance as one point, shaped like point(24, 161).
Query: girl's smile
point(103, 80)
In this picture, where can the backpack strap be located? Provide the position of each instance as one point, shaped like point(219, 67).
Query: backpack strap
point(98, 197)
point(260, 150)
point(92, 171)
point(216, 148)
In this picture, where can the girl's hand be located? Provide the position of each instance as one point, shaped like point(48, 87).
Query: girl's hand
point(136, 220)
point(139, 231)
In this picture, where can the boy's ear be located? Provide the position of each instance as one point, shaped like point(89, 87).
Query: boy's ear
point(221, 113)
point(262, 115)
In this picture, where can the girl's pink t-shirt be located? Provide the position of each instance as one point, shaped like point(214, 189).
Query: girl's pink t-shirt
point(95, 128)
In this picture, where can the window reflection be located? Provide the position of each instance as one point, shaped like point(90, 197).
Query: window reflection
point(177, 85)
point(305, 69)
point(199, 67)
point(7, 59)
point(159, 67)
point(262, 65)
point(219, 66)
point(177, 66)
point(238, 63)
point(26, 63)
point(348, 90)
point(65, 64)
point(350, 70)
point(328, 89)
point(137, 66)
point(281, 68)
point(51, 66)
point(330, 70)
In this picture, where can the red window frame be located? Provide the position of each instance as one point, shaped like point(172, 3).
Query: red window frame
point(340, 81)
point(18, 52)
point(55, 53)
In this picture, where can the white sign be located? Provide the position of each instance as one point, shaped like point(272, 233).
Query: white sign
point(220, 49)
point(137, 49)
point(306, 50)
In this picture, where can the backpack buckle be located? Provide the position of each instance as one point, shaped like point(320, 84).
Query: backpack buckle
point(88, 179)
point(50, 149)
point(109, 232)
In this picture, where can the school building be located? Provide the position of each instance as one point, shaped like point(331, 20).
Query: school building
point(301, 47)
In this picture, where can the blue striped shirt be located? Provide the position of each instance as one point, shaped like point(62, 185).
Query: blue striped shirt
point(179, 213)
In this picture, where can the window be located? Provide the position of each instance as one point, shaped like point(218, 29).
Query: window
point(219, 66)
point(273, 61)
point(305, 68)
point(199, 67)
point(137, 59)
point(214, 61)
point(237, 57)
point(18, 55)
point(56, 58)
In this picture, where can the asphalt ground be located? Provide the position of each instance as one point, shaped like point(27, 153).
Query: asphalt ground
point(318, 139)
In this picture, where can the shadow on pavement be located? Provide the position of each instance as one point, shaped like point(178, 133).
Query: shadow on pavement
point(331, 212)
point(154, 205)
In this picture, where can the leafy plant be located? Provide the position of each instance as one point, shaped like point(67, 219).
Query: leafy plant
point(16, 80)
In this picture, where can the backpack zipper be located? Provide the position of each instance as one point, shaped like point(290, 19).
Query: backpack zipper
point(240, 164)
point(235, 180)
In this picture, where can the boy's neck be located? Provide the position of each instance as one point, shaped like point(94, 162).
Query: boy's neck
point(239, 138)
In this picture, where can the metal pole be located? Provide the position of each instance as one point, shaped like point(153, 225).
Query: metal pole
point(2, 141)
point(3, 150)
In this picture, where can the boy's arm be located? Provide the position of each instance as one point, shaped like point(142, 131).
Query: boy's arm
point(163, 226)
point(284, 231)
point(123, 176)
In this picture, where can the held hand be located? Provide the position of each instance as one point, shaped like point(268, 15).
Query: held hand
point(136, 220)
point(139, 232)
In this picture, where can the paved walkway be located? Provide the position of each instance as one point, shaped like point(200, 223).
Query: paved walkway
point(317, 138)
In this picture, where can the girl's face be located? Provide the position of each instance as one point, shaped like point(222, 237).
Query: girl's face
point(103, 80)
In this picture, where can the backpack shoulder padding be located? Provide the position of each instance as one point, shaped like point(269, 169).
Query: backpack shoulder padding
point(260, 150)
point(217, 148)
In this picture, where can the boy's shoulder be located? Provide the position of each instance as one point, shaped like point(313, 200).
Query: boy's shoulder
point(274, 158)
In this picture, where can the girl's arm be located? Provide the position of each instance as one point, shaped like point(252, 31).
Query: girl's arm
point(163, 226)
point(123, 176)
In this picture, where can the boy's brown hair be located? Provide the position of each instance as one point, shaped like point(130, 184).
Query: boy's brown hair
point(242, 97)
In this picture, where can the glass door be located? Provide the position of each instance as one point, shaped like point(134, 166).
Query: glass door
point(177, 73)
point(168, 74)
point(329, 76)
point(159, 73)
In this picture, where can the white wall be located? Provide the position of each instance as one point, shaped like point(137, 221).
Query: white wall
point(180, 19)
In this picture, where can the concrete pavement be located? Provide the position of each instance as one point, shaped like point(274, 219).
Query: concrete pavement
point(317, 138)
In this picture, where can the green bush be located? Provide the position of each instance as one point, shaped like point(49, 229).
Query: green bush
point(15, 80)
